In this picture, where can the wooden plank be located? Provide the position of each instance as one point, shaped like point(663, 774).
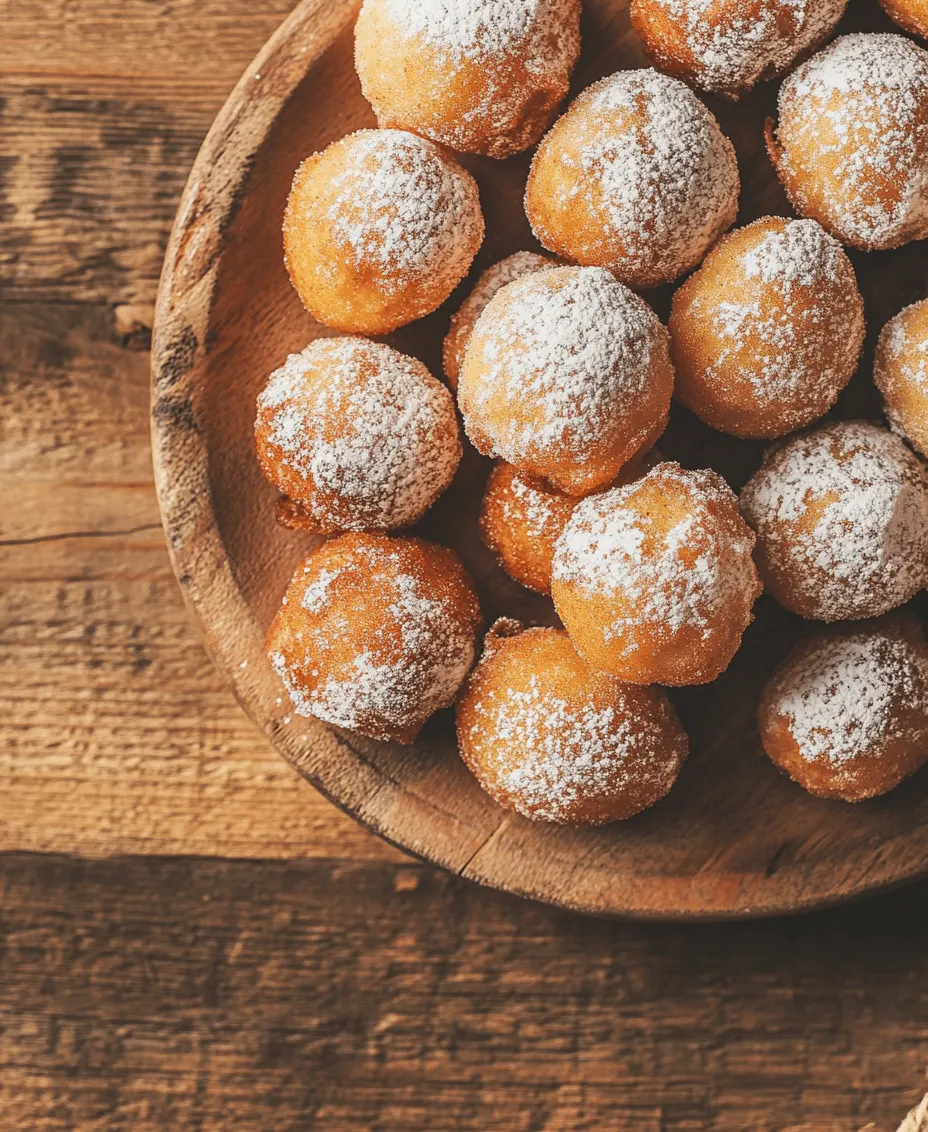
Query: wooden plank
point(90, 176)
point(184, 42)
point(102, 111)
point(118, 736)
point(217, 996)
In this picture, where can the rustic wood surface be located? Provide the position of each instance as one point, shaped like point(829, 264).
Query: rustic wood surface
point(352, 989)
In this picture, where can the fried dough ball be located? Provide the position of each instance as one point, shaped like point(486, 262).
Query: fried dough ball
point(376, 634)
point(727, 46)
point(521, 519)
point(492, 280)
point(654, 581)
point(379, 230)
point(846, 714)
point(361, 437)
point(841, 516)
point(567, 376)
point(909, 14)
point(480, 76)
point(550, 738)
point(901, 373)
point(766, 334)
point(851, 146)
point(636, 177)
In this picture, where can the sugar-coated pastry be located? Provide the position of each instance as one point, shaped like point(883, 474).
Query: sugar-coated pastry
point(480, 76)
point(492, 280)
point(912, 15)
point(376, 634)
point(567, 376)
point(356, 435)
point(841, 515)
point(851, 144)
point(727, 46)
point(901, 373)
point(846, 714)
point(379, 230)
point(550, 738)
point(521, 519)
point(654, 581)
point(766, 334)
point(636, 177)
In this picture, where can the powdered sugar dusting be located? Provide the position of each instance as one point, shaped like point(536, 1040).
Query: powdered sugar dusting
point(520, 520)
point(369, 432)
point(574, 751)
point(316, 595)
point(869, 94)
point(736, 47)
point(867, 549)
point(800, 254)
point(415, 645)
point(492, 280)
point(403, 207)
point(567, 351)
point(841, 696)
point(683, 578)
point(504, 63)
point(907, 350)
point(382, 688)
point(667, 175)
point(474, 29)
point(553, 755)
point(538, 508)
point(800, 311)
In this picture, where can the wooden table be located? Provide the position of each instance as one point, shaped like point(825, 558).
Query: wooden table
point(190, 937)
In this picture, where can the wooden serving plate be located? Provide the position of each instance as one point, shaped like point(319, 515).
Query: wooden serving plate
point(733, 838)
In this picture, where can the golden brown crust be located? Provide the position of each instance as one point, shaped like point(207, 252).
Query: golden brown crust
point(379, 230)
point(655, 581)
point(465, 318)
point(550, 738)
point(851, 144)
point(375, 634)
point(358, 435)
point(521, 519)
point(769, 330)
point(567, 377)
point(846, 714)
point(912, 15)
point(489, 84)
point(901, 373)
point(729, 46)
point(841, 516)
point(635, 177)
point(294, 516)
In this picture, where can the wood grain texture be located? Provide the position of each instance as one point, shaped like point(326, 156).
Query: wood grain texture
point(90, 173)
point(149, 995)
point(102, 110)
point(733, 837)
point(183, 45)
point(117, 734)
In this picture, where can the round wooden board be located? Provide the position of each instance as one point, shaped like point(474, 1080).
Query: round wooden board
point(734, 838)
